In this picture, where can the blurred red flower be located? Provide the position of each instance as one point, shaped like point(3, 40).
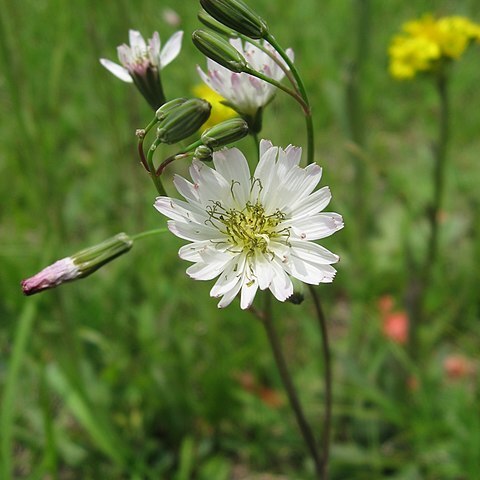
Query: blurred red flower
point(457, 366)
point(395, 327)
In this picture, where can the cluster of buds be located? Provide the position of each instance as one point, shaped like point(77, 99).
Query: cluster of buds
point(242, 71)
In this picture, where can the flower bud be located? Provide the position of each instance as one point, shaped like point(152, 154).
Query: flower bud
point(79, 265)
point(218, 27)
point(237, 15)
point(218, 49)
point(163, 111)
point(225, 133)
point(203, 153)
point(183, 120)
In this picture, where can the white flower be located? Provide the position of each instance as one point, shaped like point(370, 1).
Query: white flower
point(253, 231)
point(139, 56)
point(245, 93)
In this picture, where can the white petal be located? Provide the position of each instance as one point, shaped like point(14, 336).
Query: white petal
point(233, 166)
point(294, 154)
point(205, 271)
point(211, 185)
point(263, 269)
point(265, 171)
point(249, 289)
point(299, 183)
point(230, 295)
point(203, 75)
point(154, 49)
point(119, 71)
point(171, 49)
point(185, 188)
point(229, 278)
point(179, 210)
point(312, 252)
point(317, 226)
point(194, 232)
point(311, 204)
point(307, 272)
point(264, 146)
point(137, 41)
point(281, 285)
point(192, 252)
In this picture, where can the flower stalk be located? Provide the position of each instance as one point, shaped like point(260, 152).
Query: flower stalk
point(266, 318)
point(418, 289)
point(300, 87)
point(327, 421)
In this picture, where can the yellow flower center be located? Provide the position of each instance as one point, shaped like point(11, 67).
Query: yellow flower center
point(249, 229)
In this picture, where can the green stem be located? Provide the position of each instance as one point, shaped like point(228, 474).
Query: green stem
point(141, 138)
point(439, 171)
point(327, 422)
point(151, 167)
point(279, 85)
point(419, 285)
point(186, 152)
point(256, 143)
point(268, 52)
point(148, 233)
point(303, 92)
point(266, 318)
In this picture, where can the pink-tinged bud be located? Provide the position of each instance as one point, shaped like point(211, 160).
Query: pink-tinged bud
point(62, 271)
point(79, 265)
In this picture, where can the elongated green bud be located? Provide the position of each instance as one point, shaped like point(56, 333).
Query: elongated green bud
point(184, 120)
point(237, 15)
point(163, 111)
point(225, 133)
point(218, 49)
point(214, 25)
point(79, 265)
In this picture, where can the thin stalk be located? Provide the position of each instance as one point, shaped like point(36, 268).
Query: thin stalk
point(141, 137)
point(266, 318)
point(327, 422)
point(420, 284)
point(148, 233)
point(151, 167)
point(268, 52)
point(256, 143)
point(303, 93)
point(439, 169)
point(185, 153)
point(279, 85)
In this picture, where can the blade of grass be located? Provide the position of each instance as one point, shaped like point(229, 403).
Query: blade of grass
point(7, 417)
point(100, 432)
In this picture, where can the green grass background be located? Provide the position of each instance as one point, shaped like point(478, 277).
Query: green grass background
point(133, 373)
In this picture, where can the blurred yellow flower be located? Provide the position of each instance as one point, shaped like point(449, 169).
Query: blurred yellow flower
point(425, 43)
point(220, 112)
